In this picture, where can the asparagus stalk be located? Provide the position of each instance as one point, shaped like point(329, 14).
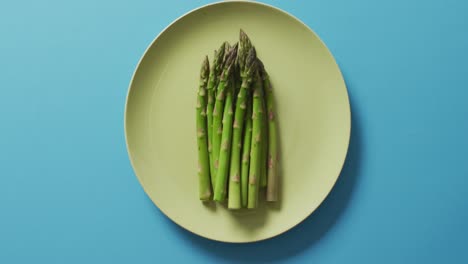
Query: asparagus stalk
point(216, 68)
point(219, 106)
point(225, 151)
point(264, 147)
point(203, 156)
point(256, 148)
point(247, 65)
point(246, 153)
point(272, 177)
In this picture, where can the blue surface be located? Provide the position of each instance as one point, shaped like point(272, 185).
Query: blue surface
point(68, 193)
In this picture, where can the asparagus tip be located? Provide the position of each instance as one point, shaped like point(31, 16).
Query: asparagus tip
point(205, 69)
point(250, 63)
point(232, 55)
point(245, 42)
point(219, 54)
point(242, 33)
point(251, 57)
point(235, 46)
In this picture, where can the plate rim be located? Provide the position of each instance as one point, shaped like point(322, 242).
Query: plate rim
point(248, 2)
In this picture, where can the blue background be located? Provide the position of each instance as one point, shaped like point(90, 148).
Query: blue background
point(68, 193)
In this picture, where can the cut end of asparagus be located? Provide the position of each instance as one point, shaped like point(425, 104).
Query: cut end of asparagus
point(272, 193)
point(205, 197)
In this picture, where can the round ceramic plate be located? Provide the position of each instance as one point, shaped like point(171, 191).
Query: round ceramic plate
point(313, 118)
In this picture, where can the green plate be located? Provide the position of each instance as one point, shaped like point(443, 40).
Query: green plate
point(313, 118)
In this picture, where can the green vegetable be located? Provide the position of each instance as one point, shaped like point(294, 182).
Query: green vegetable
point(256, 147)
point(246, 153)
point(225, 151)
point(272, 185)
point(219, 106)
point(236, 124)
point(204, 188)
point(247, 65)
point(263, 158)
point(216, 68)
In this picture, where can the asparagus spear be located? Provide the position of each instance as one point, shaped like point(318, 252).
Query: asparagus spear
point(218, 108)
point(225, 151)
point(204, 189)
point(247, 64)
point(272, 178)
point(256, 148)
point(246, 153)
point(264, 148)
point(216, 68)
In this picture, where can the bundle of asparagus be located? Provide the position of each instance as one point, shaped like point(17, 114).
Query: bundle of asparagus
point(236, 128)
